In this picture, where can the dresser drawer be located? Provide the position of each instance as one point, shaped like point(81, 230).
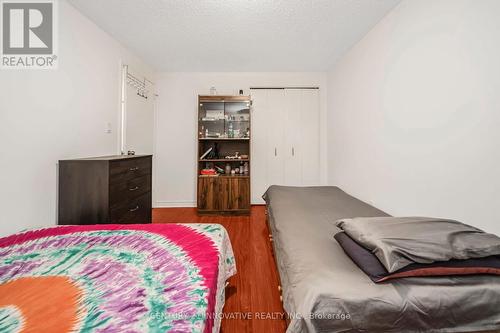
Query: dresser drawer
point(124, 170)
point(128, 189)
point(133, 211)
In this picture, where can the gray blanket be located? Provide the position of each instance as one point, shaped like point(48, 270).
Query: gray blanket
point(400, 241)
point(324, 291)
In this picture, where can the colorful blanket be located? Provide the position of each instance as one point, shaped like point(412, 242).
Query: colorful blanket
point(115, 278)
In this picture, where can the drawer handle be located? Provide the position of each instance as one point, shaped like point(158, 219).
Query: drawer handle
point(134, 209)
point(134, 169)
point(134, 188)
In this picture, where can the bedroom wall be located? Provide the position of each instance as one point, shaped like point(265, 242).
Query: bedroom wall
point(414, 113)
point(175, 184)
point(47, 115)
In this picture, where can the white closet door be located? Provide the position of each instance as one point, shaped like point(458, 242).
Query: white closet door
point(259, 143)
point(292, 144)
point(310, 138)
point(285, 139)
point(275, 118)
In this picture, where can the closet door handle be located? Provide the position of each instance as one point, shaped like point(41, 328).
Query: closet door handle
point(134, 188)
point(275, 151)
point(293, 151)
point(134, 209)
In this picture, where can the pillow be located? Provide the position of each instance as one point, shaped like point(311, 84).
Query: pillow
point(372, 267)
point(400, 241)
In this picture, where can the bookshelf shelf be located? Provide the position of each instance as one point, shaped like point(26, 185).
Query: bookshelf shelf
point(224, 139)
point(235, 176)
point(228, 160)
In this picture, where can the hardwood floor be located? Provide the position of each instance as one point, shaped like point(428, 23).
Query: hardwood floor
point(253, 300)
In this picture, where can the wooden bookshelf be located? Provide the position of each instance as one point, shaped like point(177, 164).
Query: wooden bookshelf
point(224, 127)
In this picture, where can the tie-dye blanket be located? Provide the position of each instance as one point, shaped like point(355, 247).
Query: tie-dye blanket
point(115, 278)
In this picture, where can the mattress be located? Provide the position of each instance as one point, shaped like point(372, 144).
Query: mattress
point(324, 291)
point(115, 278)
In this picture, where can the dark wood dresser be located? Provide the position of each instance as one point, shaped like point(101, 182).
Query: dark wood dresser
point(108, 189)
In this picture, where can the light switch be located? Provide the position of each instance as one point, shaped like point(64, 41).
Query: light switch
point(107, 128)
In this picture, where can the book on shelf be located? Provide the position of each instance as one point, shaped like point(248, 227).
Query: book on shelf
point(208, 172)
point(206, 153)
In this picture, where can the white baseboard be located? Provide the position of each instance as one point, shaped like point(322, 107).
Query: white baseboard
point(174, 203)
point(257, 202)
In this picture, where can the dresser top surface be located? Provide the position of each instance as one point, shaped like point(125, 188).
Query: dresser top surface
point(107, 158)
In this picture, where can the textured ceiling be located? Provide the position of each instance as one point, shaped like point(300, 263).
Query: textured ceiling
point(237, 35)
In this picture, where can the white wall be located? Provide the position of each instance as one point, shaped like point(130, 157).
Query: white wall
point(47, 115)
point(176, 155)
point(414, 113)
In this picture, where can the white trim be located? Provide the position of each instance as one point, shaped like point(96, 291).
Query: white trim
point(174, 203)
point(123, 108)
point(155, 132)
point(257, 202)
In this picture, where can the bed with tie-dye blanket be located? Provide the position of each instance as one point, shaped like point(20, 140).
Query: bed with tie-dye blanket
point(115, 278)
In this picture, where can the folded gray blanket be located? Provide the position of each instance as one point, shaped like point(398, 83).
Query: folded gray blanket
point(400, 241)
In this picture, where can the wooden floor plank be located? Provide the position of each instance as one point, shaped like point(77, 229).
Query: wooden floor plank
point(253, 292)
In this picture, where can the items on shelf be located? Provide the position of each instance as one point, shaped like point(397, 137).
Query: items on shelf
point(236, 156)
point(208, 172)
point(206, 153)
point(215, 152)
point(212, 153)
point(213, 115)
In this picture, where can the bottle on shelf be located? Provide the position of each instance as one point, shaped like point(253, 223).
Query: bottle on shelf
point(230, 131)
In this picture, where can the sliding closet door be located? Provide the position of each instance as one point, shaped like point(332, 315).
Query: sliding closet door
point(301, 137)
point(258, 167)
point(285, 139)
point(275, 119)
point(268, 153)
point(310, 137)
point(293, 137)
